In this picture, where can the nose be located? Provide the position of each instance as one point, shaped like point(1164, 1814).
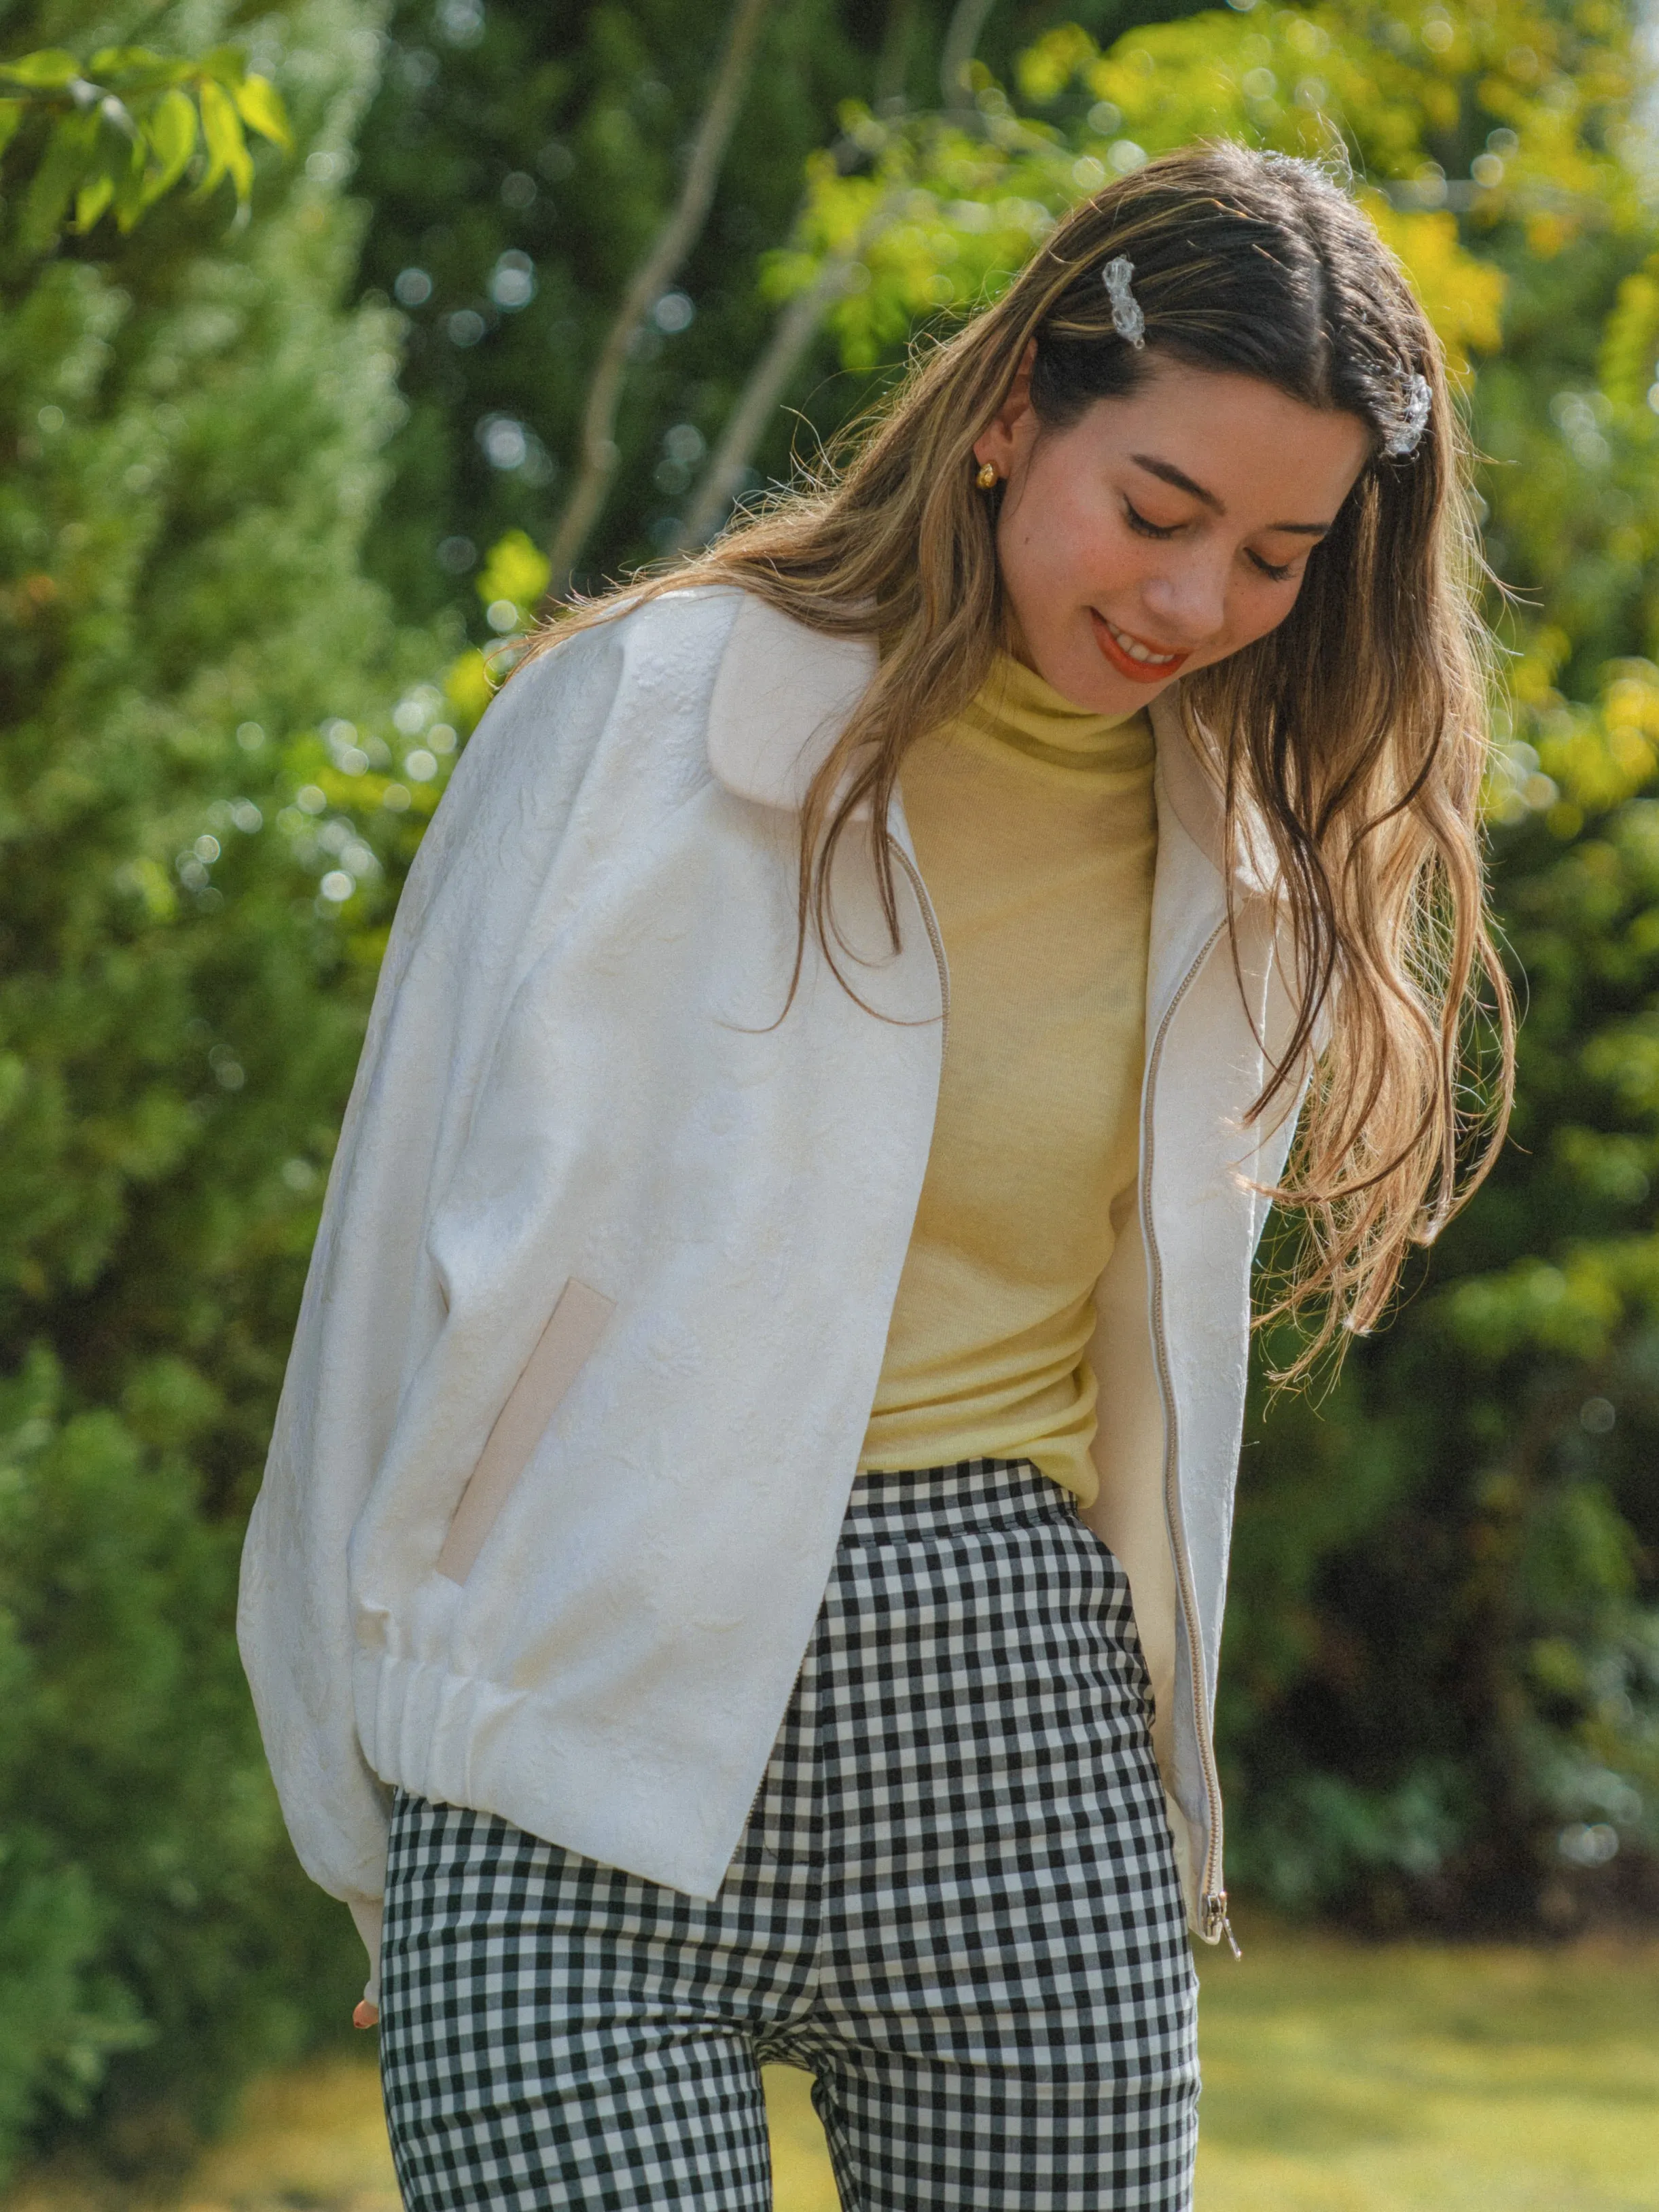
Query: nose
point(1189, 601)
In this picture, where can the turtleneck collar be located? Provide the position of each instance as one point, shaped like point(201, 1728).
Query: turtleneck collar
point(783, 692)
point(1017, 708)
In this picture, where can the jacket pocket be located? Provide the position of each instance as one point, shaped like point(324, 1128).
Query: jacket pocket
point(573, 1327)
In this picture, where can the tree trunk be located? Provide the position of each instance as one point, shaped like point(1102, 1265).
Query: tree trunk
point(599, 454)
point(962, 38)
point(746, 424)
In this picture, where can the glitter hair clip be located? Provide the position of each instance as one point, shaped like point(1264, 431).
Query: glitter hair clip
point(1404, 440)
point(1127, 319)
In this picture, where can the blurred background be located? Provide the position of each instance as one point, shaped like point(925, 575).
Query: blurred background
point(332, 336)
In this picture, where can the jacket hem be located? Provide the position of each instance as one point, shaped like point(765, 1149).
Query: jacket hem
point(460, 1739)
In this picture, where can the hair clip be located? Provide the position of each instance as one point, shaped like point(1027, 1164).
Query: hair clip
point(1404, 440)
point(1127, 319)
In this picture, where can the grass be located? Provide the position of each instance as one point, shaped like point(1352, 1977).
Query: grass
point(1346, 2080)
point(1407, 2078)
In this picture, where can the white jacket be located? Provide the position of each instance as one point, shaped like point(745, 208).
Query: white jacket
point(600, 1296)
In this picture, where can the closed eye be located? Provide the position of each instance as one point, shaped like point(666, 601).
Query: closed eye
point(1278, 573)
point(1138, 523)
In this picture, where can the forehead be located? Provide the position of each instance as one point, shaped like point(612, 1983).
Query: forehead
point(1265, 456)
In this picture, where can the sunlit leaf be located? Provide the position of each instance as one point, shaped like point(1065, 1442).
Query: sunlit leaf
point(115, 61)
point(1461, 294)
point(516, 569)
point(260, 105)
point(171, 129)
point(50, 69)
point(1630, 344)
point(222, 127)
point(92, 199)
point(468, 687)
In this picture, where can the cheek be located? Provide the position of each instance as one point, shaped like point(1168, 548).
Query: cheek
point(1064, 548)
point(1257, 610)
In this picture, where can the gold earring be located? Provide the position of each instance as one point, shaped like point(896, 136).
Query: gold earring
point(988, 475)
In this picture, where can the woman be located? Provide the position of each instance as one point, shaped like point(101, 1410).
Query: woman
point(728, 1421)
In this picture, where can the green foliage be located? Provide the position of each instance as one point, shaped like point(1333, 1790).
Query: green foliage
point(150, 1919)
point(944, 209)
point(518, 168)
point(1449, 1568)
point(116, 134)
point(513, 578)
point(221, 742)
point(216, 749)
point(518, 161)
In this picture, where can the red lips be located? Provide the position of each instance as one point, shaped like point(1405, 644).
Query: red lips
point(1138, 672)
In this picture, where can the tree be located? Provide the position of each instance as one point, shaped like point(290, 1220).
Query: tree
point(222, 739)
point(646, 289)
point(215, 743)
point(519, 166)
point(118, 136)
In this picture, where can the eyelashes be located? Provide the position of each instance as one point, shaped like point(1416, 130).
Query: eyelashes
point(1144, 528)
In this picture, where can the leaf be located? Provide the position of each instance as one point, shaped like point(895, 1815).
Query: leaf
point(49, 70)
point(228, 152)
point(517, 569)
point(1045, 70)
point(112, 154)
point(260, 105)
point(111, 61)
point(468, 686)
point(92, 199)
point(170, 128)
point(11, 114)
point(1461, 294)
point(69, 155)
point(1630, 341)
point(126, 162)
point(130, 198)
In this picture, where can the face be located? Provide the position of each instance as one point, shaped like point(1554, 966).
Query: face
point(1163, 530)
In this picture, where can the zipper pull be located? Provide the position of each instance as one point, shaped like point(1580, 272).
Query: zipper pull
point(1215, 1922)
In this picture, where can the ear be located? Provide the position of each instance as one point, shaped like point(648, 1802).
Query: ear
point(1005, 438)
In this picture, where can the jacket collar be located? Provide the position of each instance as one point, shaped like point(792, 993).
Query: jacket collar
point(783, 694)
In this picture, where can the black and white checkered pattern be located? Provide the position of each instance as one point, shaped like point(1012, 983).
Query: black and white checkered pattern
point(955, 1904)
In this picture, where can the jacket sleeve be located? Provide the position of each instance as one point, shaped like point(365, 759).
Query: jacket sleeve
point(372, 1305)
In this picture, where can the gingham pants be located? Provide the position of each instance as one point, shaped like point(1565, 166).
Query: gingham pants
point(955, 1904)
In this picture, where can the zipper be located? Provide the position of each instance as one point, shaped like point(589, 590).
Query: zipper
point(1212, 1921)
point(930, 921)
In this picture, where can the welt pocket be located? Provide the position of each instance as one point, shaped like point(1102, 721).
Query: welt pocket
point(573, 1327)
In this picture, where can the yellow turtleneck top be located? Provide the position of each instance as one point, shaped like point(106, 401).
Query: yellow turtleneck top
point(1033, 825)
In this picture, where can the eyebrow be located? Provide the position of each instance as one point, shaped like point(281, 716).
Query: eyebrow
point(1170, 474)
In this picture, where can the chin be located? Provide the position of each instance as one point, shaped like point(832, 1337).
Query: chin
point(1078, 673)
point(1091, 681)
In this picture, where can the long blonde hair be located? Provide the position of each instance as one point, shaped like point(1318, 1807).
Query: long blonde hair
point(1354, 734)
